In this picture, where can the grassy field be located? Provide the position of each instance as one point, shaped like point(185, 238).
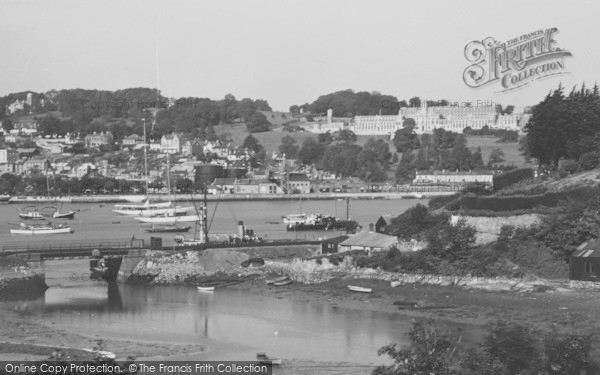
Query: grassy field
point(511, 150)
point(272, 139)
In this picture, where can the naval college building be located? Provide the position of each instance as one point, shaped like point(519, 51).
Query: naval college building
point(450, 118)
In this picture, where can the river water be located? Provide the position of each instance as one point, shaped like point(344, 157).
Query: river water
point(234, 323)
point(231, 321)
point(95, 222)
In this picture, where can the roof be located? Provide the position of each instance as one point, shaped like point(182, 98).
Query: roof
point(299, 177)
point(338, 239)
point(370, 239)
point(588, 249)
point(224, 181)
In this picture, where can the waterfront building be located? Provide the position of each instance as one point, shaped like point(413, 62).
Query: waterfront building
point(369, 241)
point(454, 178)
point(299, 183)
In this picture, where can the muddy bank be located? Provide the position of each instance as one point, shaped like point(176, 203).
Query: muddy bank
point(19, 281)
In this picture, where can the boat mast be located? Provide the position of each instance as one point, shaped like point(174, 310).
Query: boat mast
point(145, 158)
point(204, 216)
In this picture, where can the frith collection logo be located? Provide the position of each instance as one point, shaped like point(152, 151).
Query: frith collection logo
point(515, 63)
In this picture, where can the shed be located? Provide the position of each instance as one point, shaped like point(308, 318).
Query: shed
point(382, 223)
point(331, 245)
point(368, 241)
point(584, 264)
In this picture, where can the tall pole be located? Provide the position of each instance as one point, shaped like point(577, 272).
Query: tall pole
point(145, 158)
point(347, 208)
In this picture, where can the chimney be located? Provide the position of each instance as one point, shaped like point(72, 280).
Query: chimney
point(241, 229)
point(371, 228)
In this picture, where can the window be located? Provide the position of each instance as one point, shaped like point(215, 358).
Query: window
point(589, 268)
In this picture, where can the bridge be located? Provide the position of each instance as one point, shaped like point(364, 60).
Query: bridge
point(40, 250)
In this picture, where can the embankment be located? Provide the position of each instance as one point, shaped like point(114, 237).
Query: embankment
point(226, 197)
point(223, 266)
point(19, 281)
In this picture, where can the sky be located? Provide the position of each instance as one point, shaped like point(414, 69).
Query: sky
point(286, 52)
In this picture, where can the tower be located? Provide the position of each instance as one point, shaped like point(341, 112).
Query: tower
point(329, 116)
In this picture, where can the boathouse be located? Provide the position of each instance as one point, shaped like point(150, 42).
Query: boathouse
point(584, 264)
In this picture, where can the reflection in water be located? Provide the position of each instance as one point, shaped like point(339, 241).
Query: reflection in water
point(231, 320)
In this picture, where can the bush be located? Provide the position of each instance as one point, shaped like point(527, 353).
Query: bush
point(504, 180)
point(527, 202)
point(441, 200)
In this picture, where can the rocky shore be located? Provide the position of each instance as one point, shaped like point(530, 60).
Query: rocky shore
point(19, 281)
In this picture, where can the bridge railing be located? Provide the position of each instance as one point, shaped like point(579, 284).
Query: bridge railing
point(71, 245)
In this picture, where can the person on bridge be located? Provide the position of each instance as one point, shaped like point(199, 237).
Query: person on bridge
point(101, 264)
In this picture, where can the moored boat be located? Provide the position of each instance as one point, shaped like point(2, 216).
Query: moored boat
point(284, 282)
point(64, 215)
point(42, 229)
point(147, 208)
point(359, 289)
point(264, 358)
point(276, 279)
point(165, 228)
point(293, 219)
point(169, 219)
point(32, 215)
point(206, 288)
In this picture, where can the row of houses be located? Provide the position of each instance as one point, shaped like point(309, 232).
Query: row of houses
point(297, 183)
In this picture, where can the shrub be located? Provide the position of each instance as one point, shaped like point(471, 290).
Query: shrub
point(440, 201)
point(504, 180)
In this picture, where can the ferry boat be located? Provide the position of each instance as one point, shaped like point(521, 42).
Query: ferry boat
point(145, 209)
point(292, 219)
point(323, 222)
point(42, 229)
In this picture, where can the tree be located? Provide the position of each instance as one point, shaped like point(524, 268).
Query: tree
point(513, 345)
point(430, 352)
point(7, 125)
point(289, 147)
point(251, 143)
point(311, 151)
point(406, 139)
point(405, 169)
point(453, 242)
point(257, 123)
point(347, 136)
point(325, 138)
point(496, 157)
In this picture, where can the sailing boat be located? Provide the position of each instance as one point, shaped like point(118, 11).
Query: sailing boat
point(173, 215)
point(59, 214)
point(147, 208)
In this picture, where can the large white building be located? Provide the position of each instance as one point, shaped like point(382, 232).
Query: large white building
point(451, 118)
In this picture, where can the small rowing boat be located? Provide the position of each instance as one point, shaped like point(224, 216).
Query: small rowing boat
point(395, 283)
point(206, 288)
point(284, 282)
point(264, 358)
point(276, 279)
point(359, 289)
